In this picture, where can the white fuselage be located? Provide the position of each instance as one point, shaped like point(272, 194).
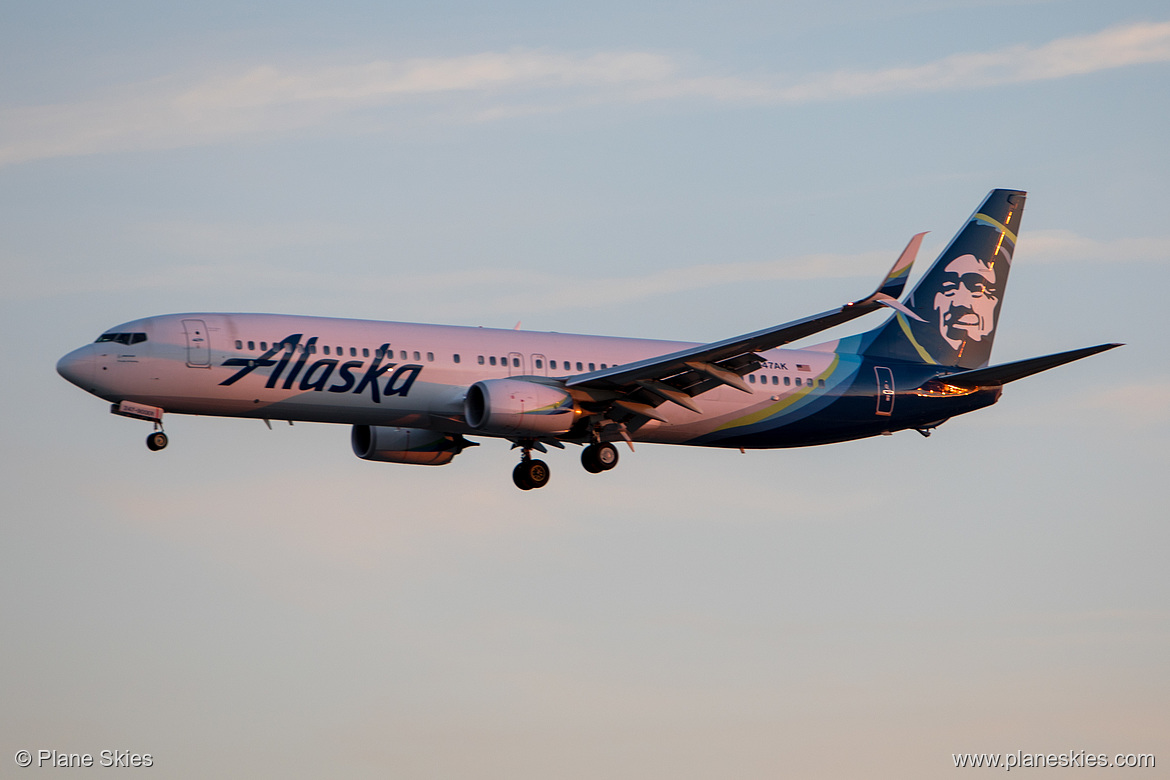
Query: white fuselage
point(394, 374)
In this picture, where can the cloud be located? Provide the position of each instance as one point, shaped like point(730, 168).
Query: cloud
point(458, 292)
point(233, 251)
point(175, 112)
point(170, 113)
point(1055, 246)
point(1134, 406)
point(1113, 48)
point(1147, 403)
point(375, 82)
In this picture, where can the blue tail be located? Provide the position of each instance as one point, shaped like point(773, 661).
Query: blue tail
point(955, 306)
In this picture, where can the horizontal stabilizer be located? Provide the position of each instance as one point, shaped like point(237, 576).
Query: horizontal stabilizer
point(1010, 372)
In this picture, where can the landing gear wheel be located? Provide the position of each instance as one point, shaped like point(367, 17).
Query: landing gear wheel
point(530, 474)
point(520, 477)
point(156, 441)
point(597, 458)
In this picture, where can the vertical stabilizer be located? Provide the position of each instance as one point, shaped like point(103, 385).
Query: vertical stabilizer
point(959, 297)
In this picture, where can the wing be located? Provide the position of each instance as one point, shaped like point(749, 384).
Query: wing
point(628, 394)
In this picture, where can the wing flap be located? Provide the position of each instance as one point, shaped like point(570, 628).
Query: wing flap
point(668, 393)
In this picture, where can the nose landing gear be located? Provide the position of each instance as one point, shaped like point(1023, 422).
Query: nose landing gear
point(156, 441)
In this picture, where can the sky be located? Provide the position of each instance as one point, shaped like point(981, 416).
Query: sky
point(262, 603)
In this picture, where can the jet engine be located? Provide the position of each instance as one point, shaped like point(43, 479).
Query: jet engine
point(519, 407)
point(406, 445)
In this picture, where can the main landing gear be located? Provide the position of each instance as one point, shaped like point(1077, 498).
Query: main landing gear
point(530, 473)
point(597, 458)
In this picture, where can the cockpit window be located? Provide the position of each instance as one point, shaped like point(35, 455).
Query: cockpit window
point(122, 338)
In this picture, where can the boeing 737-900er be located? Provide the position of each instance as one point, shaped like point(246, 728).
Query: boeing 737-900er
point(413, 393)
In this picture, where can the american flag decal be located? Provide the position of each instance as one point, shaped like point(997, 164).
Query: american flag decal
point(803, 367)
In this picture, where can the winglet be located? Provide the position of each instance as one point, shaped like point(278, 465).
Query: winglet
point(895, 281)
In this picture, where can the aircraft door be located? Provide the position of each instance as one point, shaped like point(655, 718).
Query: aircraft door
point(198, 346)
point(885, 390)
point(515, 364)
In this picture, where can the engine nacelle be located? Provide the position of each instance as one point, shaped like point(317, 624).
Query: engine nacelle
point(516, 406)
point(405, 445)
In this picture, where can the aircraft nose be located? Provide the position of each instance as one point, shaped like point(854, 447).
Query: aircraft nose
point(79, 367)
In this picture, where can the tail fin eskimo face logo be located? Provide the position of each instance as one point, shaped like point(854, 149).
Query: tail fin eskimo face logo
point(966, 301)
point(960, 297)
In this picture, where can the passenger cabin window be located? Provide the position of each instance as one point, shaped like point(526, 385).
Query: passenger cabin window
point(430, 357)
point(456, 357)
point(239, 344)
point(480, 360)
point(416, 356)
point(326, 348)
point(539, 363)
point(552, 364)
point(516, 362)
point(492, 360)
point(365, 351)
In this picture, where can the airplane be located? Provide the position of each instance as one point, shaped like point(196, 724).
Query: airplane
point(413, 393)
